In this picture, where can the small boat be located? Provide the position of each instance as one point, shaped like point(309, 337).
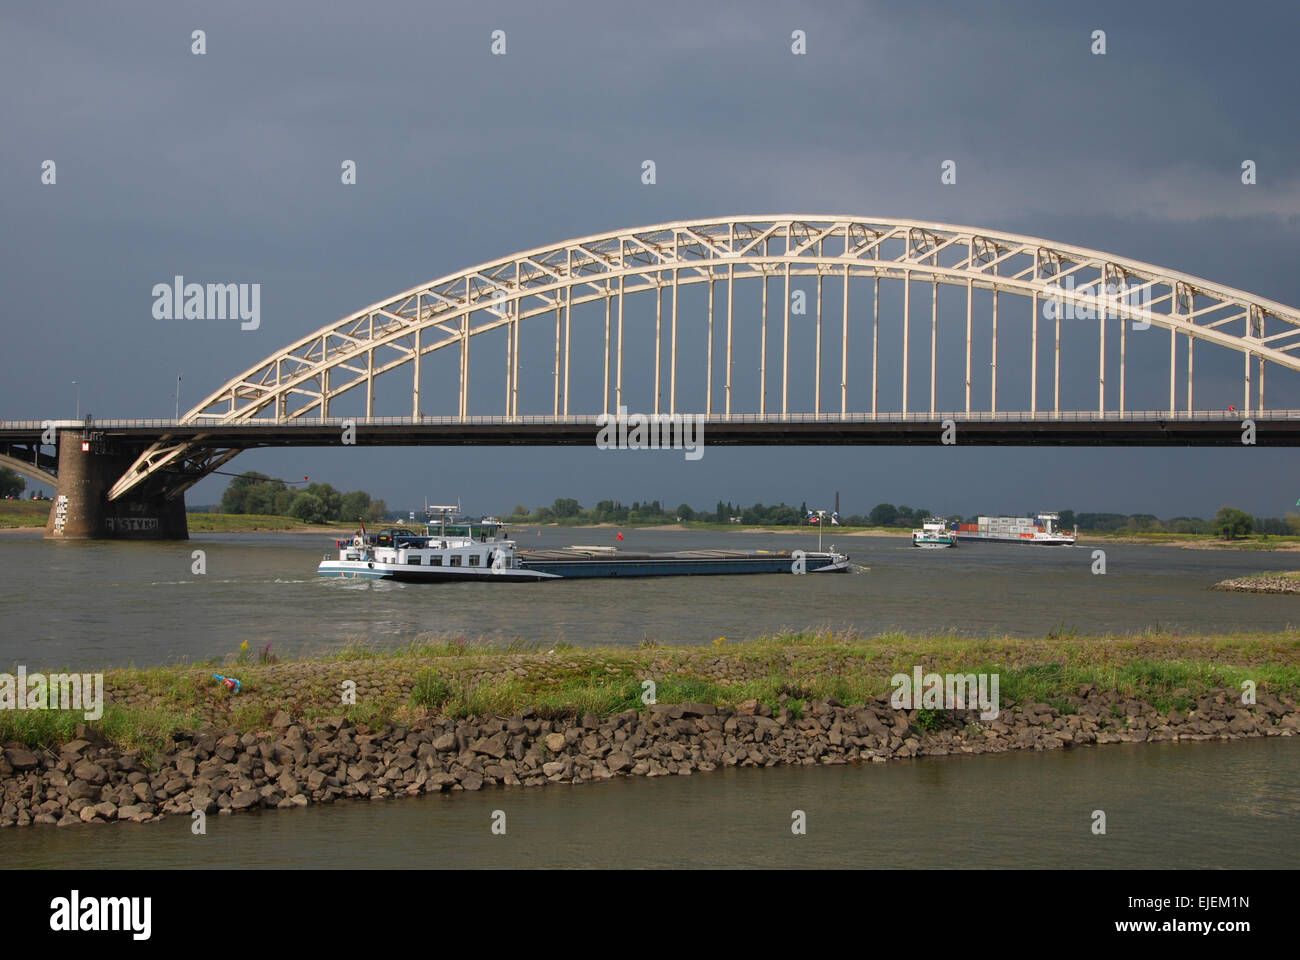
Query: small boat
point(458, 550)
point(934, 534)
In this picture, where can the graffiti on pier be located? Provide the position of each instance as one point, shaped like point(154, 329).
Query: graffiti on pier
point(130, 524)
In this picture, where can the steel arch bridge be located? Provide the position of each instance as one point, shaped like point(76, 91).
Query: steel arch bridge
point(297, 385)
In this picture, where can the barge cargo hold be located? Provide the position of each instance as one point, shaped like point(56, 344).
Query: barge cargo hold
point(575, 562)
point(478, 551)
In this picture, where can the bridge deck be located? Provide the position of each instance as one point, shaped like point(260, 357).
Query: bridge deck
point(1132, 428)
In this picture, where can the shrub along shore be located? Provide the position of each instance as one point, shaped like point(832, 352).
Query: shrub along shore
point(450, 714)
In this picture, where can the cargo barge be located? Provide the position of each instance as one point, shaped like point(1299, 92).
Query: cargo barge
point(478, 550)
point(1039, 530)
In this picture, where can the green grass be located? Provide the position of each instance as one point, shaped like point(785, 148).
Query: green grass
point(431, 690)
point(1254, 541)
point(929, 720)
point(23, 513)
point(147, 728)
point(29, 514)
point(234, 522)
point(459, 677)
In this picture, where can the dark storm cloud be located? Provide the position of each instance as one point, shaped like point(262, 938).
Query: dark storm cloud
point(225, 168)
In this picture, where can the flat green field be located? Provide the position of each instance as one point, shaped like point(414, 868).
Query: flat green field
point(23, 513)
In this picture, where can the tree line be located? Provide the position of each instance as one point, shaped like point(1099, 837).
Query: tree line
point(1229, 523)
point(568, 510)
point(315, 503)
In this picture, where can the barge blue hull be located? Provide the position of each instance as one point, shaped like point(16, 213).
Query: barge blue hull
point(965, 538)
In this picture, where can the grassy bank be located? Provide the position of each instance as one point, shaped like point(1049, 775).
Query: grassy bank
point(578, 523)
point(28, 514)
point(23, 513)
point(250, 522)
point(460, 678)
point(1197, 541)
point(828, 530)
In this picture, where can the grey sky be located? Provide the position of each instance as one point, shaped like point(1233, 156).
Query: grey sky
point(225, 168)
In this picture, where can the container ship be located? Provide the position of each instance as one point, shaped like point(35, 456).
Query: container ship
point(450, 551)
point(1041, 529)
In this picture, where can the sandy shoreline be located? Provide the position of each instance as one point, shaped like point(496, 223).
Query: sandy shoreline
point(900, 533)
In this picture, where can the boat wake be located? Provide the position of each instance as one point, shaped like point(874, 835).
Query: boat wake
point(202, 580)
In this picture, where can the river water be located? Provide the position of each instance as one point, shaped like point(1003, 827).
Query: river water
point(1194, 805)
point(88, 605)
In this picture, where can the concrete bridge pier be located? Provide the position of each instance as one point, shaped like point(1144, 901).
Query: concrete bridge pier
point(81, 509)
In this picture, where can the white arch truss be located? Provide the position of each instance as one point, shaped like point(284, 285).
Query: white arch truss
point(29, 470)
point(302, 379)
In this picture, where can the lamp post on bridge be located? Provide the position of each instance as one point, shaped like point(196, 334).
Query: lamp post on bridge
point(178, 396)
point(77, 393)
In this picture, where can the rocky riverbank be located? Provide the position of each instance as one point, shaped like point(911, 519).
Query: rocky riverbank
point(1262, 583)
point(296, 763)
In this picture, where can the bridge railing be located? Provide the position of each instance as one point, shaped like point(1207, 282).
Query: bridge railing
point(1010, 416)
